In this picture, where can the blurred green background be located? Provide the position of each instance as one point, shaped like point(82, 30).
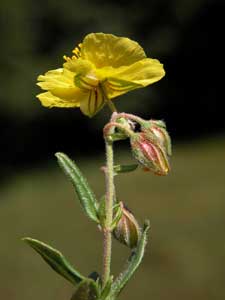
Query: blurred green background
point(186, 252)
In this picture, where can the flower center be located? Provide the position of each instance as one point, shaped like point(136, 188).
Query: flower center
point(86, 82)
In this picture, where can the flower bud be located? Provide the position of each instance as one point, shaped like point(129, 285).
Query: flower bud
point(157, 128)
point(149, 151)
point(127, 230)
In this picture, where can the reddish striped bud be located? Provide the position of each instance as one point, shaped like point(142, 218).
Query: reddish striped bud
point(157, 130)
point(150, 152)
point(127, 230)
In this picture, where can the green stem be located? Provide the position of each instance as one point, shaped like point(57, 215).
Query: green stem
point(111, 105)
point(111, 125)
point(107, 235)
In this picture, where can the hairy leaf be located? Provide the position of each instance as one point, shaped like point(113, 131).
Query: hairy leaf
point(85, 194)
point(56, 260)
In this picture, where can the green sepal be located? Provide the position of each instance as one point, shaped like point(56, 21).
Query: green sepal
point(85, 194)
point(55, 260)
point(87, 290)
point(106, 290)
point(102, 214)
point(124, 168)
point(117, 216)
point(133, 263)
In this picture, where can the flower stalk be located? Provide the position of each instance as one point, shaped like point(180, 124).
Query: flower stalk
point(107, 234)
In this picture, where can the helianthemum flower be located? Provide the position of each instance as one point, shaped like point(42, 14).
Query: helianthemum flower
point(103, 67)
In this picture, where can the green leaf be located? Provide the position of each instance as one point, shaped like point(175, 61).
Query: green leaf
point(56, 260)
point(117, 217)
point(85, 194)
point(125, 168)
point(87, 290)
point(134, 262)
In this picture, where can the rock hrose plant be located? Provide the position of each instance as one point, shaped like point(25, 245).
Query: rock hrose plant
point(102, 68)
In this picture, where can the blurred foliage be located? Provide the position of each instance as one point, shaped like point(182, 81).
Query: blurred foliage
point(186, 251)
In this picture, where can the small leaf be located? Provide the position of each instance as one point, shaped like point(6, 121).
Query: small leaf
point(125, 168)
point(117, 217)
point(134, 262)
point(87, 290)
point(56, 260)
point(85, 194)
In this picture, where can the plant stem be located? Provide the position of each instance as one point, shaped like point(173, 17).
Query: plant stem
point(107, 235)
point(112, 106)
point(129, 116)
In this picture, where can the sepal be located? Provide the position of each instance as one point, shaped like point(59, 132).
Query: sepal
point(127, 230)
point(117, 214)
point(150, 153)
point(157, 129)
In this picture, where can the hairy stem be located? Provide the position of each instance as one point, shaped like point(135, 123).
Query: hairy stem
point(111, 125)
point(107, 235)
point(128, 116)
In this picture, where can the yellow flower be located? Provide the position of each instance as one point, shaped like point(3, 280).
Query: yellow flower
point(103, 67)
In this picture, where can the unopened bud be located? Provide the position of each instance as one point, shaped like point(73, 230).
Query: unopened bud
point(157, 129)
point(127, 230)
point(150, 153)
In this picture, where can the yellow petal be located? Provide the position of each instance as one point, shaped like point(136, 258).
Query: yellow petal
point(51, 100)
point(109, 50)
point(61, 87)
point(143, 72)
point(59, 78)
point(79, 66)
point(137, 75)
point(93, 103)
point(114, 87)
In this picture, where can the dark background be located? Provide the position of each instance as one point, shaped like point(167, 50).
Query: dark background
point(186, 35)
point(185, 258)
